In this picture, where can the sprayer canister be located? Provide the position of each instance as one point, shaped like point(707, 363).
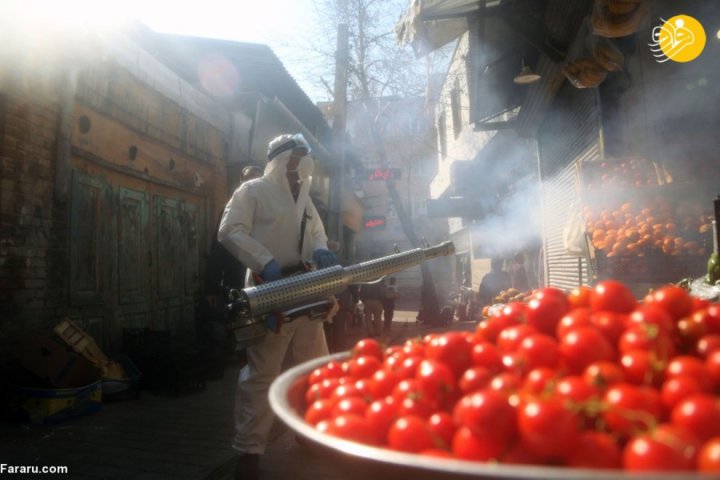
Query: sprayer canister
point(293, 291)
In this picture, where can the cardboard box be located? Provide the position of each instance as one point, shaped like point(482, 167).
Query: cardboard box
point(55, 362)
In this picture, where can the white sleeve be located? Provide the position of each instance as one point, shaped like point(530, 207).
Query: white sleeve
point(317, 230)
point(235, 227)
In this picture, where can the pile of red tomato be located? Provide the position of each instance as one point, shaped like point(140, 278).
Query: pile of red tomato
point(586, 379)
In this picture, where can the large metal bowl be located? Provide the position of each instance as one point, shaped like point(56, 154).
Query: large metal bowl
point(287, 399)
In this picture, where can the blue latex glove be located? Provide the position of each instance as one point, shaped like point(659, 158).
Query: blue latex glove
point(324, 258)
point(271, 271)
point(272, 322)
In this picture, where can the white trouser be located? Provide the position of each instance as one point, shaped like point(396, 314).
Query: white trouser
point(304, 340)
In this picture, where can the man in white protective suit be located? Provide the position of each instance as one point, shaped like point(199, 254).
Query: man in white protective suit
point(270, 224)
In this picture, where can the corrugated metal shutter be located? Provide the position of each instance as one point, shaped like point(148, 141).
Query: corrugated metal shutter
point(569, 134)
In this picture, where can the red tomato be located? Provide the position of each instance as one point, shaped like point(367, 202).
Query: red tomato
point(509, 338)
point(579, 297)
point(354, 405)
point(699, 304)
point(514, 313)
point(641, 367)
point(367, 346)
point(675, 300)
point(575, 389)
point(363, 366)
point(488, 414)
point(578, 317)
point(582, 346)
point(676, 389)
point(540, 380)
point(547, 428)
point(699, 414)
point(468, 446)
point(667, 448)
point(407, 368)
point(612, 296)
point(414, 348)
point(442, 425)
point(381, 414)
point(319, 410)
point(713, 318)
point(707, 344)
point(709, 456)
point(631, 409)
point(436, 379)
point(602, 375)
point(409, 387)
point(475, 378)
point(647, 337)
point(594, 450)
point(486, 354)
point(689, 330)
point(611, 324)
point(436, 452)
point(712, 364)
point(540, 350)
point(546, 308)
point(452, 349)
point(350, 427)
point(382, 383)
point(651, 315)
point(506, 383)
point(692, 367)
point(321, 390)
point(410, 434)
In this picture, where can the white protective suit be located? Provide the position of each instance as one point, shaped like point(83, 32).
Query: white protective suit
point(262, 222)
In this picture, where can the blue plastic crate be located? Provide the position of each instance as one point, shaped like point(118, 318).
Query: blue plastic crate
point(47, 406)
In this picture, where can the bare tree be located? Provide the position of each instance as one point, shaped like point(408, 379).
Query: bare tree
point(378, 68)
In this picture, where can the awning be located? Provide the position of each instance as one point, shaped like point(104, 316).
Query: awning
point(429, 24)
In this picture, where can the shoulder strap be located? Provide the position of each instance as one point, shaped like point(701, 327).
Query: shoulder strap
point(303, 222)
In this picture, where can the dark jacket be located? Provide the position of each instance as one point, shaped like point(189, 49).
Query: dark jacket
point(223, 270)
point(492, 284)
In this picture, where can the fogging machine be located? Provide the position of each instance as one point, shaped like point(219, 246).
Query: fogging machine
point(306, 294)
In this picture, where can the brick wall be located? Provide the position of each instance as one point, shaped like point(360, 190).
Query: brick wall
point(32, 227)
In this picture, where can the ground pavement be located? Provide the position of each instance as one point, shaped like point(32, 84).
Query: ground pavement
point(166, 437)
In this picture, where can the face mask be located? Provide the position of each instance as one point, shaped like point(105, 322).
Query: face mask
point(304, 169)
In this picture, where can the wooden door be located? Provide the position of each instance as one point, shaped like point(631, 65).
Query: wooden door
point(179, 227)
point(90, 269)
point(134, 257)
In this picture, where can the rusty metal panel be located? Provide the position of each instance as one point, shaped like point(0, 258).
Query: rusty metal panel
point(90, 217)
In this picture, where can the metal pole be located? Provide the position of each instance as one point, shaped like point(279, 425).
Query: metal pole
point(338, 125)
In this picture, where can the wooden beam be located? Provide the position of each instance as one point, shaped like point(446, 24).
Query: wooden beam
point(533, 37)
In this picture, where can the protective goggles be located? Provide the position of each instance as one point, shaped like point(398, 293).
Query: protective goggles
point(296, 142)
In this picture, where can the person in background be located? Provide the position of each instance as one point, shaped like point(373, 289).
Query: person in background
point(222, 273)
point(271, 224)
point(391, 294)
point(371, 296)
point(493, 282)
point(336, 329)
point(518, 275)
